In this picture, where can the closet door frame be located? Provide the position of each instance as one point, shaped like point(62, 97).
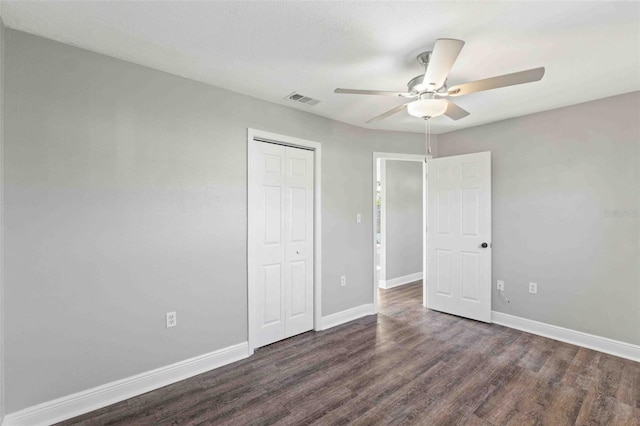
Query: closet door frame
point(256, 136)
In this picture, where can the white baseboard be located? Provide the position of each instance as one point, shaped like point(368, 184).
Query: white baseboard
point(395, 282)
point(92, 399)
point(346, 316)
point(601, 344)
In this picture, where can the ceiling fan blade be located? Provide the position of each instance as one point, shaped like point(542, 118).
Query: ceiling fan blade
point(528, 76)
point(372, 92)
point(388, 113)
point(445, 52)
point(454, 111)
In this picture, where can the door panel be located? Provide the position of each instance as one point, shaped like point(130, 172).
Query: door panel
point(272, 196)
point(298, 292)
point(470, 207)
point(458, 222)
point(444, 269)
point(443, 212)
point(269, 183)
point(299, 241)
point(470, 276)
point(283, 187)
point(272, 279)
point(298, 214)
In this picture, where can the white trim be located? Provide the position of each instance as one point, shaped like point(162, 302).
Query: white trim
point(405, 279)
point(317, 221)
point(425, 219)
point(597, 343)
point(381, 167)
point(2, 207)
point(352, 314)
point(92, 399)
point(382, 156)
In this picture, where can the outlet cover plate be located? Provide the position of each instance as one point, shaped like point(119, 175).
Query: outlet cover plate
point(533, 288)
point(172, 319)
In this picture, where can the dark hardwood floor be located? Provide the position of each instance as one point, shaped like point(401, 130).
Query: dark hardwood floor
point(405, 366)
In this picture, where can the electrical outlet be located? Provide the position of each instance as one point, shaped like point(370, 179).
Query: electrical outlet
point(343, 280)
point(500, 285)
point(358, 218)
point(533, 288)
point(172, 319)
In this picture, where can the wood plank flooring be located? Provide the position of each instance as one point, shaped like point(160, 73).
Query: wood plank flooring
point(406, 365)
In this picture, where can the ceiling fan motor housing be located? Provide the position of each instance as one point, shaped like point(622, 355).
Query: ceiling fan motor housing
point(417, 86)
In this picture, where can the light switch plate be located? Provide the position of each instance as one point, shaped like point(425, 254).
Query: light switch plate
point(533, 288)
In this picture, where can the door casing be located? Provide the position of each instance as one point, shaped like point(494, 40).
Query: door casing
point(254, 136)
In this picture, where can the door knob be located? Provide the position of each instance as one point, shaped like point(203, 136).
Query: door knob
point(297, 251)
point(484, 245)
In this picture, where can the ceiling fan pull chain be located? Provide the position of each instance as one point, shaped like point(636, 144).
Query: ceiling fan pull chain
point(429, 125)
point(427, 135)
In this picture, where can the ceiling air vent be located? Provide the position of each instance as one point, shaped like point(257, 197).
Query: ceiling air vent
point(297, 97)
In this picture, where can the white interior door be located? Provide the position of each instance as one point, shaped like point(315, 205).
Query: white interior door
point(283, 189)
point(459, 235)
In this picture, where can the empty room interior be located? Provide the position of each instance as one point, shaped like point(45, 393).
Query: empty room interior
point(319, 212)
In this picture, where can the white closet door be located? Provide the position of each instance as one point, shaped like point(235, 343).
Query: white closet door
point(459, 235)
point(283, 191)
point(269, 189)
point(299, 241)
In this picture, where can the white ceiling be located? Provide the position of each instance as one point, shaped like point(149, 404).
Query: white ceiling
point(267, 50)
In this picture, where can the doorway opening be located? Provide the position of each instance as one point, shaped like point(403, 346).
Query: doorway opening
point(400, 219)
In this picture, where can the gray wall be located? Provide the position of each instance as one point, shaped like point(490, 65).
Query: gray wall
point(403, 187)
point(125, 198)
point(556, 176)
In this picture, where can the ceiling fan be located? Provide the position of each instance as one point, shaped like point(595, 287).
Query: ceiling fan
point(430, 90)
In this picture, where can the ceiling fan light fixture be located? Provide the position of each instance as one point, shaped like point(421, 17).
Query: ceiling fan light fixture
point(427, 107)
